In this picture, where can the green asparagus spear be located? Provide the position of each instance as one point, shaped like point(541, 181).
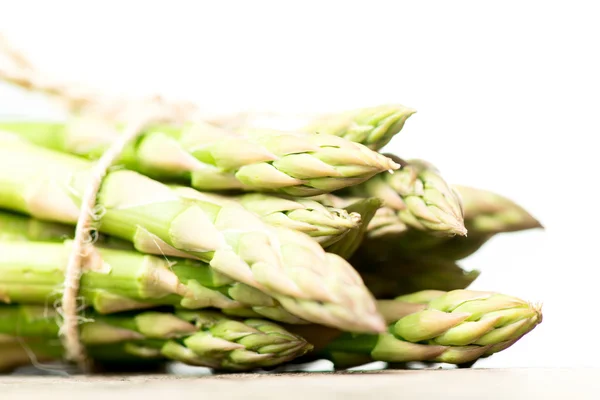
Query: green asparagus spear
point(420, 197)
point(211, 158)
point(19, 227)
point(348, 245)
point(119, 280)
point(288, 265)
point(201, 338)
point(450, 327)
point(374, 127)
point(486, 215)
point(326, 225)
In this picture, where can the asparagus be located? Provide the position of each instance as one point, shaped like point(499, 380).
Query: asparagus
point(121, 280)
point(202, 338)
point(348, 245)
point(288, 265)
point(454, 327)
point(385, 222)
point(211, 158)
point(373, 127)
point(420, 197)
point(326, 225)
point(18, 227)
point(486, 215)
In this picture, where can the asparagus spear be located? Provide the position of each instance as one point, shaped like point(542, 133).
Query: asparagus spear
point(348, 245)
point(19, 227)
point(201, 338)
point(211, 158)
point(420, 197)
point(451, 327)
point(373, 126)
point(285, 264)
point(326, 225)
point(119, 280)
point(486, 215)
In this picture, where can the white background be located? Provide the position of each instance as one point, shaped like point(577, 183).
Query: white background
point(507, 95)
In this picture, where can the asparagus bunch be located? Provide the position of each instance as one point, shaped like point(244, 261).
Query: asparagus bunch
point(211, 158)
point(454, 327)
point(202, 338)
point(252, 255)
point(285, 264)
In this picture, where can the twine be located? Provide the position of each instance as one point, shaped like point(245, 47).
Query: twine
point(138, 115)
point(69, 331)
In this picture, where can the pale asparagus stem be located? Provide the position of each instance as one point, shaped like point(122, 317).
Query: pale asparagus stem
point(201, 338)
point(287, 265)
point(454, 327)
point(421, 198)
point(326, 225)
point(374, 126)
point(211, 158)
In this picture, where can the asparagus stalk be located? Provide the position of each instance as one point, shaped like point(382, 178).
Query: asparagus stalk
point(373, 127)
point(420, 197)
point(211, 158)
point(486, 215)
point(120, 280)
point(454, 327)
point(326, 225)
point(288, 265)
point(202, 338)
point(348, 245)
point(19, 227)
